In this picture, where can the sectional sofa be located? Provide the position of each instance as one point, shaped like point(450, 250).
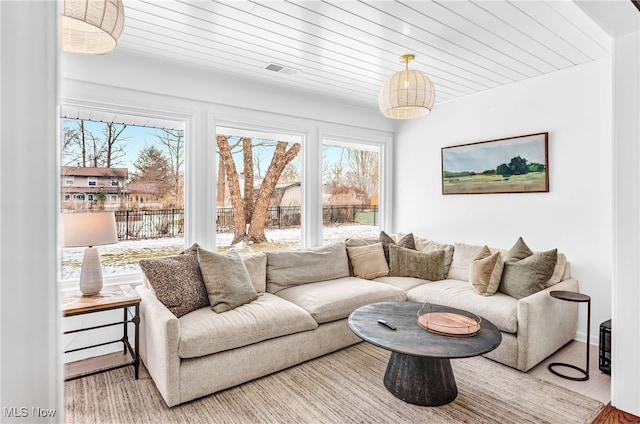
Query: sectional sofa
point(299, 302)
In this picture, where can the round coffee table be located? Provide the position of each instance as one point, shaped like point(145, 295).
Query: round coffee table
point(419, 370)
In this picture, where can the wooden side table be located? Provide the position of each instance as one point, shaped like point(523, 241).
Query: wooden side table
point(573, 297)
point(110, 297)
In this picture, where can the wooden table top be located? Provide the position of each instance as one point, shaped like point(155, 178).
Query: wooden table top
point(410, 339)
point(570, 296)
point(74, 302)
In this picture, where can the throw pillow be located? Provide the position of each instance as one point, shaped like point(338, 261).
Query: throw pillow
point(227, 280)
point(411, 263)
point(368, 261)
point(176, 282)
point(424, 245)
point(526, 272)
point(486, 271)
point(406, 241)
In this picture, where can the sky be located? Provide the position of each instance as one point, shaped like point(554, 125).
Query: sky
point(138, 138)
point(480, 157)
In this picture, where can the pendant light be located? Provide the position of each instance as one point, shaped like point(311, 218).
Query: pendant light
point(407, 94)
point(91, 26)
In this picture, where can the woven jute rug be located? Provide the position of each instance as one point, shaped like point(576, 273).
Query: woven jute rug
point(342, 387)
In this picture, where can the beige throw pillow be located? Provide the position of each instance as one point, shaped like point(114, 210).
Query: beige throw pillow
point(368, 261)
point(526, 272)
point(227, 280)
point(485, 272)
point(411, 263)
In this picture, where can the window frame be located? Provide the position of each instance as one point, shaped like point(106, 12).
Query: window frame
point(200, 122)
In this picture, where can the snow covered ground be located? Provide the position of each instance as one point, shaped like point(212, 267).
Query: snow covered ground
point(123, 257)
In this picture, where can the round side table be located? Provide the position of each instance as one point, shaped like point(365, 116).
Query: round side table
point(574, 297)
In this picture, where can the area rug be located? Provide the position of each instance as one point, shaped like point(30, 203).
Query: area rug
point(342, 387)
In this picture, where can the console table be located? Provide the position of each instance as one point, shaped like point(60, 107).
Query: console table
point(110, 297)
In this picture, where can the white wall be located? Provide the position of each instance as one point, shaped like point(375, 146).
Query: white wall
point(574, 106)
point(30, 372)
point(625, 338)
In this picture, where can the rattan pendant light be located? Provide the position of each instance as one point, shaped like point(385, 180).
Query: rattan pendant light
point(91, 26)
point(407, 94)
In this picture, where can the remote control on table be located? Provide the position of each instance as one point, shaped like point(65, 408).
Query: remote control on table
point(386, 324)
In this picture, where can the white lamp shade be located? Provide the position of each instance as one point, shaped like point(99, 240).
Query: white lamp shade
point(91, 26)
point(88, 229)
point(406, 94)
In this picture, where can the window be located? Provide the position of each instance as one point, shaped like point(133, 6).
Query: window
point(350, 190)
point(68, 180)
point(259, 177)
point(144, 163)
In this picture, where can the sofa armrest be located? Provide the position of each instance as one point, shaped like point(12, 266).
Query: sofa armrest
point(545, 324)
point(159, 339)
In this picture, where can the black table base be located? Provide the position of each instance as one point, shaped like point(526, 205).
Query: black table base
point(420, 381)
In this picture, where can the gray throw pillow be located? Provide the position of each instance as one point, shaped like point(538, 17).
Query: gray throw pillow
point(227, 280)
point(176, 282)
point(411, 263)
point(526, 272)
point(407, 241)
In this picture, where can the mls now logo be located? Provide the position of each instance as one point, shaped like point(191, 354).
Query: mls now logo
point(24, 412)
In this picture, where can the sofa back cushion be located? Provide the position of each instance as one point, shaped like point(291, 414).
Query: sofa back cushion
point(463, 255)
point(294, 267)
point(256, 264)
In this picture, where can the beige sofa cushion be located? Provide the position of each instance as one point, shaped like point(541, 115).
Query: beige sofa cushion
point(256, 264)
point(500, 309)
point(463, 255)
point(368, 261)
point(404, 283)
point(335, 299)
point(486, 271)
point(289, 268)
point(204, 332)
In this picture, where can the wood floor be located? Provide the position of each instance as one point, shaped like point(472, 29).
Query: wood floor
point(597, 387)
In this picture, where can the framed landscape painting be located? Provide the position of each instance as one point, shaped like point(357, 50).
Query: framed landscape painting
point(508, 165)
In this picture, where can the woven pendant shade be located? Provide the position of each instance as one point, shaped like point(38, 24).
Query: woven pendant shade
point(91, 26)
point(407, 94)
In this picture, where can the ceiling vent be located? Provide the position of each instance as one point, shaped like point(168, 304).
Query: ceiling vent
point(281, 69)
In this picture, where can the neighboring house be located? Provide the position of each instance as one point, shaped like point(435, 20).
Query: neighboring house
point(143, 195)
point(91, 187)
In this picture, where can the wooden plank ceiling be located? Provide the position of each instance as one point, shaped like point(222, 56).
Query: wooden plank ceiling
point(347, 49)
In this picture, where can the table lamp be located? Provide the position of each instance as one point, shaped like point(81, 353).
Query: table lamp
point(89, 229)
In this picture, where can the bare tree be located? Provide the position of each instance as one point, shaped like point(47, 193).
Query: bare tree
point(173, 141)
point(363, 170)
point(257, 214)
point(111, 149)
point(80, 147)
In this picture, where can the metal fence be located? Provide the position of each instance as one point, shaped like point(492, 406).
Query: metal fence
point(133, 225)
